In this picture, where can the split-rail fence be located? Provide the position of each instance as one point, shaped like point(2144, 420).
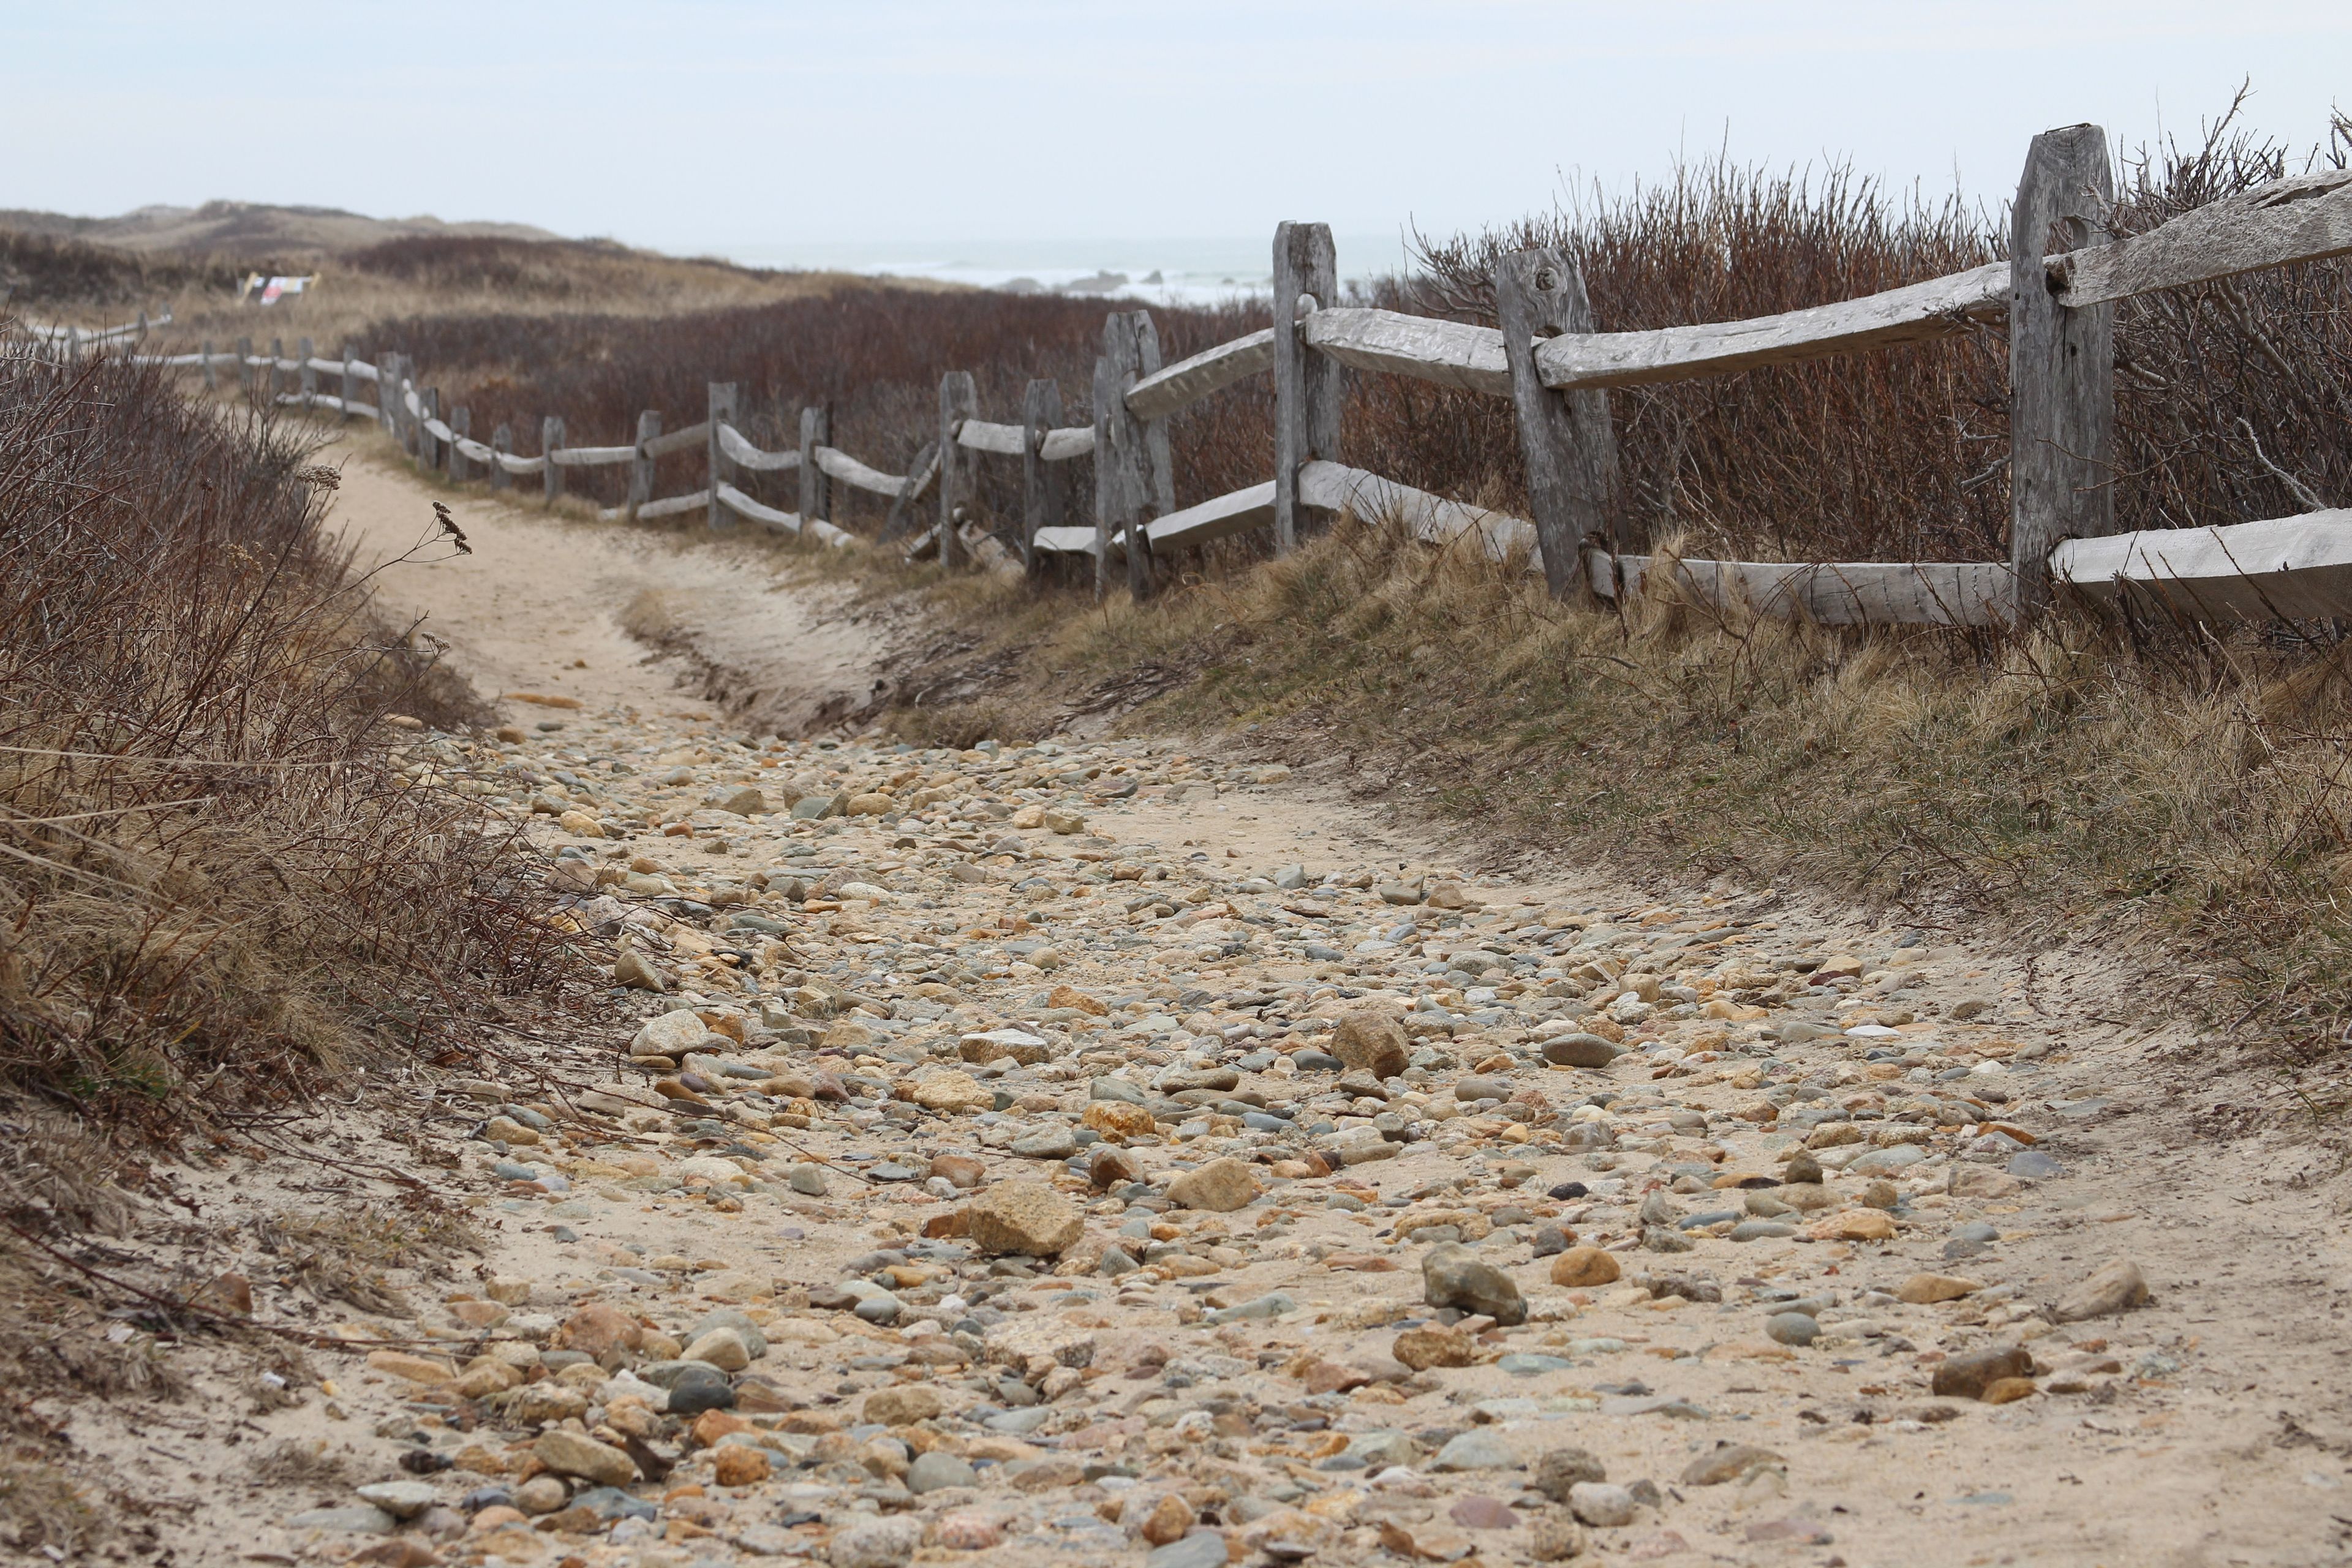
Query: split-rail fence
point(2057, 293)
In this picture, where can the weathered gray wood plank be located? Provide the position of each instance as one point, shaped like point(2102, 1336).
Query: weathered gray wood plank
point(2061, 361)
point(958, 470)
point(719, 473)
point(551, 442)
point(743, 454)
point(1565, 439)
point(2291, 568)
point(1188, 381)
point(1306, 386)
point(1070, 441)
point(841, 465)
point(2304, 218)
point(1447, 353)
point(1836, 593)
point(816, 490)
point(1237, 511)
point(980, 436)
point(1045, 487)
point(685, 440)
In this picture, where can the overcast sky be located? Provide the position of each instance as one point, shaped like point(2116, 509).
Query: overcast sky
point(690, 125)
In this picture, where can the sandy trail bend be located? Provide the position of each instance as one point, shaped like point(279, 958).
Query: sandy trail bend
point(1245, 1362)
point(546, 603)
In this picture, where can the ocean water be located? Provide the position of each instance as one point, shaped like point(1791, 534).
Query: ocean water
point(1152, 271)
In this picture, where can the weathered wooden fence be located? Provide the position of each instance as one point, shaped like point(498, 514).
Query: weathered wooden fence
point(2057, 294)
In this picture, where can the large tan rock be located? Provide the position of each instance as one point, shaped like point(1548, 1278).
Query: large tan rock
point(574, 1454)
point(1023, 1216)
point(1220, 1186)
point(1854, 1224)
point(954, 1093)
point(1435, 1345)
point(1372, 1040)
point(2114, 1288)
point(903, 1405)
point(1117, 1119)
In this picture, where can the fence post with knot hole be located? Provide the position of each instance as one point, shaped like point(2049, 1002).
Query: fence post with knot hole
point(501, 444)
point(1569, 445)
point(959, 464)
point(550, 441)
point(1306, 385)
point(641, 466)
point(716, 464)
point(461, 426)
point(1045, 487)
point(816, 430)
point(2061, 361)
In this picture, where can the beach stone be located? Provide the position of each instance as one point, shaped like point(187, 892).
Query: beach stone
point(357, 1519)
point(960, 1171)
point(903, 1405)
point(1927, 1289)
point(630, 968)
point(1435, 1345)
point(1453, 1275)
point(1560, 1470)
point(1853, 1225)
point(1023, 1216)
point(1371, 1040)
point(968, 1529)
point(1118, 1119)
point(573, 1454)
point(542, 1494)
point(1592, 1051)
point(1476, 1513)
point(1796, 1328)
point(1802, 1169)
point(1046, 1143)
point(952, 1093)
point(1206, 1549)
point(1601, 1505)
point(1220, 1186)
point(723, 1347)
point(1582, 1267)
point(735, 1465)
point(1728, 1462)
point(1171, 1519)
point(745, 802)
point(2115, 1287)
point(1968, 1375)
point(809, 1181)
point(672, 1034)
point(402, 1500)
point(1476, 1450)
point(1555, 1537)
point(887, 1542)
point(939, 1469)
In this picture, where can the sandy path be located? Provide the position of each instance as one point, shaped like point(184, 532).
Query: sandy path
point(541, 603)
point(2207, 1426)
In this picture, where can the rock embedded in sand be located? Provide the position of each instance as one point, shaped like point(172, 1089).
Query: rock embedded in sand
point(1023, 1216)
point(574, 1454)
point(2114, 1288)
point(1453, 1275)
point(1580, 1268)
point(1220, 1186)
point(1373, 1041)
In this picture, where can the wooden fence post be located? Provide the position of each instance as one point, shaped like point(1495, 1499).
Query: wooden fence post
point(959, 464)
point(550, 441)
point(245, 367)
point(308, 376)
point(2061, 363)
point(350, 390)
point(429, 445)
point(816, 485)
point(641, 467)
point(212, 377)
point(1045, 487)
point(1159, 493)
point(1109, 505)
point(720, 466)
point(1132, 485)
point(501, 443)
point(276, 382)
point(1567, 440)
point(461, 424)
point(1306, 385)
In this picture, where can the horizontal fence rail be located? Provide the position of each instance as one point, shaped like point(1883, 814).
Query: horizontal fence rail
point(1557, 373)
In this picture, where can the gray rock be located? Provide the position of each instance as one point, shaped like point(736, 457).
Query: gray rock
point(1761, 1229)
point(877, 1543)
point(1117, 1088)
point(1048, 1143)
point(1562, 1469)
point(938, 1469)
point(1598, 1504)
point(1268, 1305)
point(1379, 1450)
point(1204, 1549)
point(1451, 1276)
point(1581, 1051)
point(1792, 1328)
point(730, 1318)
point(808, 1180)
point(879, 1308)
point(358, 1519)
point(1476, 1450)
point(2034, 1165)
point(402, 1500)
